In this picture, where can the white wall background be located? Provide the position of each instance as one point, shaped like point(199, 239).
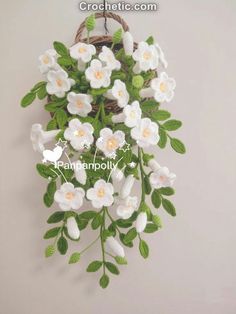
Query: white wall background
point(192, 264)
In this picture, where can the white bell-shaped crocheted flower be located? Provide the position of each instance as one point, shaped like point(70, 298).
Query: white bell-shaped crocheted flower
point(162, 58)
point(118, 92)
point(72, 228)
point(58, 83)
point(68, 197)
point(80, 172)
point(79, 104)
point(117, 175)
point(162, 178)
point(82, 52)
point(154, 165)
point(127, 207)
point(118, 118)
point(79, 134)
point(109, 142)
point(163, 88)
point(127, 186)
point(39, 137)
point(141, 222)
point(128, 43)
point(115, 246)
point(97, 75)
point(146, 57)
point(108, 59)
point(48, 61)
point(145, 133)
point(132, 114)
point(101, 194)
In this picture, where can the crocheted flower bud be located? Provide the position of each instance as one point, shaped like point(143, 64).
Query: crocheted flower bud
point(72, 228)
point(117, 36)
point(138, 81)
point(141, 222)
point(115, 246)
point(90, 23)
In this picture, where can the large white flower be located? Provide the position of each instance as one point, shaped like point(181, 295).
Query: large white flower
point(162, 58)
point(108, 58)
point(97, 75)
point(127, 207)
point(80, 172)
point(82, 52)
point(101, 194)
point(162, 178)
point(79, 134)
point(115, 246)
point(58, 83)
point(48, 61)
point(79, 104)
point(128, 43)
point(68, 197)
point(146, 57)
point(39, 137)
point(72, 228)
point(132, 114)
point(163, 87)
point(109, 142)
point(145, 133)
point(118, 92)
point(141, 222)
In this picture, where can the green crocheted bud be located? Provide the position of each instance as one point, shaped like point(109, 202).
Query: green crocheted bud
point(90, 22)
point(157, 221)
point(138, 81)
point(117, 36)
point(49, 251)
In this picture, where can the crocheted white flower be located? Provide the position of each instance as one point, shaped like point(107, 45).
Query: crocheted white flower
point(162, 178)
point(141, 222)
point(146, 56)
point(82, 52)
point(58, 83)
point(162, 58)
point(72, 228)
point(128, 43)
point(101, 194)
point(80, 172)
point(48, 61)
point(115, 246)
point(132, 114)
point(39, 137)
point(97, 75)
point(108, 58)
point(68, 197)
point(145, 133)
point(163, 87)
point(79, 104)
point(118, 92)
point(109, 142)
point(127, 186)
point(79, 134)
point(127, 207)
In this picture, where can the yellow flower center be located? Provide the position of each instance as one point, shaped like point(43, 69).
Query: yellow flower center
point(79, 133)
point(46, 59)
point(147, 55)
point(101, 192)
point(69, 196)
point(59, 82)
point(146, 132)
point(112, 143)
point(163, 87)
point(132, 114)
point(162, 178)
point(98, 75)
point(79, 104)
point(120, 93)
point(82, 50)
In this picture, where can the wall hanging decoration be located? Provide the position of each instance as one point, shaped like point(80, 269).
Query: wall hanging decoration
point(105, 98)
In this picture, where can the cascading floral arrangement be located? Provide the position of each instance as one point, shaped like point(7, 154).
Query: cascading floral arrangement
point(80, 83)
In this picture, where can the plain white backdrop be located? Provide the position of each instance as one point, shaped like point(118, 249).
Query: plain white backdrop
point(191, 268)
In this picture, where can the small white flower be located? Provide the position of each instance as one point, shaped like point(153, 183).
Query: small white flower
point(39, 137)
point(108, 58)
point(101, 194)
point(79, 134)
point(146, 57)
point(82, 52)
point(109, 142)
point(48, 61)
point(162, 178)
point(118, 118)
point(80, 172)
point(145, 133)
point(97, 75)
point(154, 165)
point(163, 87)
point(72, 228)
point(132, 114)
point(141, 222)
point(162, 58)
point(117, 175)
point(58, 83)
point(118, 92)
point(79, 104)
point(115, 246)
point(68, 197)
point(128, 43)
point(127, 186)
point(127, 207)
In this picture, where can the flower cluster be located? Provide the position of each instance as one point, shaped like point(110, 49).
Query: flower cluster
point(79, 83)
